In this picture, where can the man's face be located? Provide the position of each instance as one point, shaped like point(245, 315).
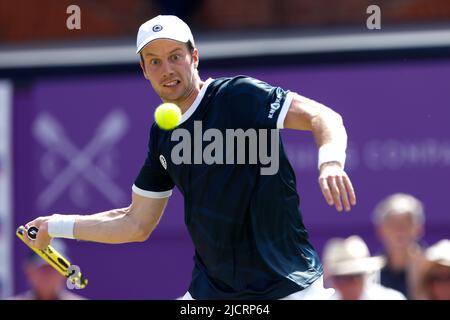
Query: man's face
point(45, 281)
point(170, 68)
point(349, 286)
point(438, 282)
point(399, 231)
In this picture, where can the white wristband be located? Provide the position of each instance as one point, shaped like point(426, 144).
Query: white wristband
point(331, 152)
point(61, 226)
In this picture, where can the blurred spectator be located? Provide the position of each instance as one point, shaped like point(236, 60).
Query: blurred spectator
point(351, 270)
point(436, 277)
point(400, 220)
point(45, 282)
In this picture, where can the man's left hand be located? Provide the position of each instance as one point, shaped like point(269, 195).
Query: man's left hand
point(336, 186)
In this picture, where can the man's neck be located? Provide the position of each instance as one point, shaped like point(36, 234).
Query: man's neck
point(39, 296)
point(187, 103)
point(397, 260)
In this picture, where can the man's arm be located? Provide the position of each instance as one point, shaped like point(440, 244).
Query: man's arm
point(329, 133)
point(131, 224)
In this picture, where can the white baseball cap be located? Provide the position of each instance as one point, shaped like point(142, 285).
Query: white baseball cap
point(163, 27)
point(439, 252)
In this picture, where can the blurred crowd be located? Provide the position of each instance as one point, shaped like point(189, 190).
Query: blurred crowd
point(405, 269)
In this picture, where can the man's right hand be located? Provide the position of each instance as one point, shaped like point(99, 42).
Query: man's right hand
point(42, 238)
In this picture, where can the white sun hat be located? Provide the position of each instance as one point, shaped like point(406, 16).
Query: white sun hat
point(163, 27)
point(399, 204)
point(349, 256)
point(439, 252)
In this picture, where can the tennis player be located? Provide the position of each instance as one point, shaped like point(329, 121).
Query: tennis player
point(249, 237)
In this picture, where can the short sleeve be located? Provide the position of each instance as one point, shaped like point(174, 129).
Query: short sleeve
point(258, 104)
point(153, 180)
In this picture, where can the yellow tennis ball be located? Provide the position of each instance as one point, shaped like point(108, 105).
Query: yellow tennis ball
point(167, 116)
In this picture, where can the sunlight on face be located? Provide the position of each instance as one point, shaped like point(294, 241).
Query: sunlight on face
point(349, 286)
point(171, 70)
point(399, 231)
point(45, 281)
point(438, 282)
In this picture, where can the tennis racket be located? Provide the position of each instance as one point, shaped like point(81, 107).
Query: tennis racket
point(54, 258)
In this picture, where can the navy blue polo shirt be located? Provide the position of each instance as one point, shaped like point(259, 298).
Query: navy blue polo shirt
point(247, 229)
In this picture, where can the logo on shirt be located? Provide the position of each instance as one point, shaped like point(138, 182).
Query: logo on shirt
point(274, 106)
point(163, 161)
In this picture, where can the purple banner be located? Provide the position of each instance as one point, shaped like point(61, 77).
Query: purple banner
point(80, 142)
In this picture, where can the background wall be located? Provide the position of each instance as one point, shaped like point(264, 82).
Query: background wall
point(23, 21)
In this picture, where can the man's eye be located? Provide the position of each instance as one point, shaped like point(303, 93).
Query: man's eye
point(154, 62)
point(176, 57)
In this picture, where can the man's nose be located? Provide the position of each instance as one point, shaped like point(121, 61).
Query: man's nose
point(167, 69)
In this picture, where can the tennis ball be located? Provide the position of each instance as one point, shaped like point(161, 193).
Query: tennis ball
point(167, 116)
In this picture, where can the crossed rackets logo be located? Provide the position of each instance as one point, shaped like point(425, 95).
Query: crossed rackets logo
point(51, 134)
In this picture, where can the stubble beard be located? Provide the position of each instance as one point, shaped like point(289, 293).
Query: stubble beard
point(185, 94)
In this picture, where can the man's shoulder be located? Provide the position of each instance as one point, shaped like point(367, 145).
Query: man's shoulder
point(27, 295)
point(241, 85)
point(237, 82)
point(378, 291)
point(63, 295)
point(67, 295)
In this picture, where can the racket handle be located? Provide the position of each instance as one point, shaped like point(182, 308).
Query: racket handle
point(53, 257)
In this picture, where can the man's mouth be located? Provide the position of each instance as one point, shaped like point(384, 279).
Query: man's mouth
point(172, 83)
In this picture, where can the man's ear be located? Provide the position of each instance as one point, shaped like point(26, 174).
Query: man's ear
point(195, 58)
point(143, 68)
point(379, 232)
point(419, 231)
